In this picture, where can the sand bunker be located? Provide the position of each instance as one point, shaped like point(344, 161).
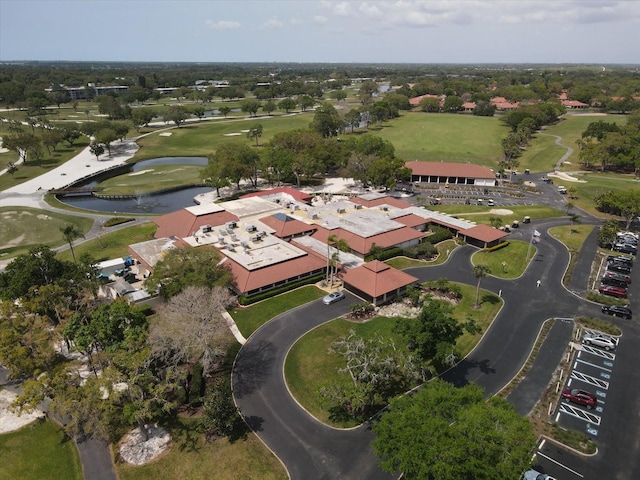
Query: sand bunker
point(165, 134)
point(235, 134)
point(139, 172)
point(566, 177)
point(501, 211)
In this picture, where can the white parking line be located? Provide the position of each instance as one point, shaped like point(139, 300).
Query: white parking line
point(561, 465)
point(593, 365)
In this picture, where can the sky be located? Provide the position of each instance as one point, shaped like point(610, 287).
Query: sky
point(322, 31)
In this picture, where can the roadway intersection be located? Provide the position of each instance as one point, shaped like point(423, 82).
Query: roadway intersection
point(311, 450)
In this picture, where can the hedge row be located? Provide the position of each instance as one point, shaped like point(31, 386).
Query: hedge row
point(276, 291)
point(495, 247)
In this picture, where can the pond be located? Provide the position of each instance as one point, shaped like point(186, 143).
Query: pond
point(150, 204)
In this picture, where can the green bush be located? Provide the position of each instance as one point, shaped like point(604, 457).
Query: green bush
point(496, 247)
point(605, 299)
point(113, 221)
point(242, 300)
point(439, 234)
point(599, 324)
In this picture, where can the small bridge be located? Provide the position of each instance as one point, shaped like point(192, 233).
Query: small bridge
point(74, 191)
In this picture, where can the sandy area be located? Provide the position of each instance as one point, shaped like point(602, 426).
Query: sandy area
point(9, 421)
point(501, 211)
point(135, 451)
point(139, 172)
point(165, 134)
point(232, 134)
point(566, 177)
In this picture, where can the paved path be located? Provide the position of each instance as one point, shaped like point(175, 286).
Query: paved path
point(311, 450)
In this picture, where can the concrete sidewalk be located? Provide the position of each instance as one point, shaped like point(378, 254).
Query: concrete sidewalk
point(83, 165)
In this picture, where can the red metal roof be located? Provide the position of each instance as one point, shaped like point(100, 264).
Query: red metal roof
point(363, 245)
point(286, 226)
point(443, 169)
point(386, 200)
point(484, 233)
point(183, 223)
point(246, 280)
point(377, 278)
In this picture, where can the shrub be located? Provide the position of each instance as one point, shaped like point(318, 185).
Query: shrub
point(113, 221)
point(242, 300)
point(496, 247)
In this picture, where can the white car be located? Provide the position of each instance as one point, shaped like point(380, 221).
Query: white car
point(536, 475)
point(599, 340)
point(333, 297)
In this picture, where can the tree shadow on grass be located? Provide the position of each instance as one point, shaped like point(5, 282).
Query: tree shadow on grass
point(490, 299)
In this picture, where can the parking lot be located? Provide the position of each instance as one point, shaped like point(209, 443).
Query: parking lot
point(592, 371)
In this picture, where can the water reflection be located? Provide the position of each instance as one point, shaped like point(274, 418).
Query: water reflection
point(142, 203)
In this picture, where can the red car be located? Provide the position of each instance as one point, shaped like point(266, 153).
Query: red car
point(613, 291)
point(580, 397)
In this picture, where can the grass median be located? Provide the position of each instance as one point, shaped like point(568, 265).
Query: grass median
point(39, 450)
point(309, 366)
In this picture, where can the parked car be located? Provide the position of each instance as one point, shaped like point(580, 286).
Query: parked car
point(613, 291)
point(581, 397)
point(625, 248)
point(536, 475)
point(619, 267)
point(614, 282)
point(620, 259)
point(333, 297)
point(617, 311)
point(599, 340)
point(620, 276)
point(562, 189)
point(490, 203)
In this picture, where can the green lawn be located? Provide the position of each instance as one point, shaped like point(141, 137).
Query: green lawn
point(39, 450)
point(444, 248)
point(543, 154)
point(481, 214)
point(250, 318)
point(508, 262)
point(597, 183)
point(308, 366)
point(202, 138)
point(34, 169)
point(24, 228)
point(152, 179)
point(445, 137)
point(113, 244)
point(190, 457)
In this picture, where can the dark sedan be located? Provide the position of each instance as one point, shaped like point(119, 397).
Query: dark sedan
point(617, 311)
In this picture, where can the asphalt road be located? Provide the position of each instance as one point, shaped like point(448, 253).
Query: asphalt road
point(311, 450)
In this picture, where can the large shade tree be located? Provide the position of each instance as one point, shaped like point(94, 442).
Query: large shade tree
point(448, 432)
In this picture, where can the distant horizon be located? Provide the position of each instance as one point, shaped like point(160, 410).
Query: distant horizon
point(420, 32)
point(195, 62)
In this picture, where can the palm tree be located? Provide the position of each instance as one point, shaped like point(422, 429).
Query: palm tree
point(70, 232)
point(340, 245)
point(480, 271)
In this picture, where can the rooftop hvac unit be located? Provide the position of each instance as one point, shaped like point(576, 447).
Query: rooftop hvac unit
point(231, 225)
point(229, 231)
point(221, 240)
point(262, 234)
point(384, 208)
point(222, 231)
point(231, 248)
point(250, 228)
point(244, 244)
point(314, 216)
point(358, 207)
point(341, 210)
point(234, 237)
point(205, 228)
point(255, 238)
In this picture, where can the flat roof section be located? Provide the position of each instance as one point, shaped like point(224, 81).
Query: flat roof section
point(251, 207)
point(204, 209)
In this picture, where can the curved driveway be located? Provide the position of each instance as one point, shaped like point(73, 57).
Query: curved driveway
point(311, 450)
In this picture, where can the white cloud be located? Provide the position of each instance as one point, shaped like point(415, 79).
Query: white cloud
point(273, 23)
point(440, 13)
point(222, 24)
point(320, 19)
